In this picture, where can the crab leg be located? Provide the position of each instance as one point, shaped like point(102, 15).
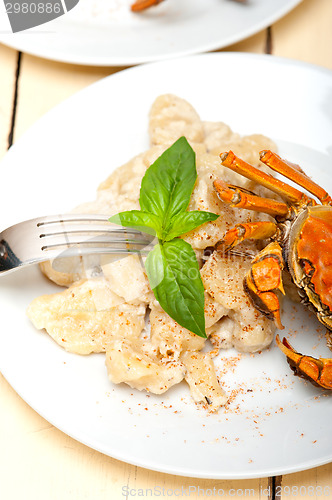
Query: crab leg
point(264, 279)
point(240, 198)
point(293, 173)
point(143, 4)
point(250, 230)
point(317, 371)
point(233, 162)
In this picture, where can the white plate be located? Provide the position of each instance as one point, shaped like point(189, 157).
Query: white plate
point(97, 33)
point(281, 424)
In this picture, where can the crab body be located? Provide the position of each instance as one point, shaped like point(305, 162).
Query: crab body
point(301, 242)
point(309, 259)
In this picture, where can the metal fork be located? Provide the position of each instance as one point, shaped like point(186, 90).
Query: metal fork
point(62, 236)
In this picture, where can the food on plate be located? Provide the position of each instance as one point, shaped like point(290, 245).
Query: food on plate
point(301, 241)
point(109, 306)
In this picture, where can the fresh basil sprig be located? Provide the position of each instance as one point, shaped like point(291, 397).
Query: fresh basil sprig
point(171, 266)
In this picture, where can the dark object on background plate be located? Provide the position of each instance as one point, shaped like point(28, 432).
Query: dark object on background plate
point(140, 5)
point(144, 4)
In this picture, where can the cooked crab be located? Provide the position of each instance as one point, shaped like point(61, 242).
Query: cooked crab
point(301, 241)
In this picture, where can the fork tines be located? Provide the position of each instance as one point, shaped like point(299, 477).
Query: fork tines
point(70, 235)
point(89, 232)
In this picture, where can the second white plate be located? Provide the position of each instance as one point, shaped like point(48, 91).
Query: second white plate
point(106, 33)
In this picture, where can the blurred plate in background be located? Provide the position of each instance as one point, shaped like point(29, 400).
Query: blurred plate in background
point(107, 33)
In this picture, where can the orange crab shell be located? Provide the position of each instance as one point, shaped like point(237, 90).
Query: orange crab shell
point(310, 258)
point(317, 371)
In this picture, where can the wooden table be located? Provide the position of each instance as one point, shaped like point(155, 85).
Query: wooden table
point(39, 462)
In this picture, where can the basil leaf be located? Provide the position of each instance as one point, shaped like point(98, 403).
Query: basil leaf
point(155, 266)
point(172, 267)
point(174, 276)
point(187, 221)
point(168, 183)
point(143, 221)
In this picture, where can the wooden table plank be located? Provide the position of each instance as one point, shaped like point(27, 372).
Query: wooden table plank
point(313, 484)
point(8, 64)
point(255, 44)
point(305, 33)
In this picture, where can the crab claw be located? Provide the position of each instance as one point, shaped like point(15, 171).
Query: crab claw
point(317, 371)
